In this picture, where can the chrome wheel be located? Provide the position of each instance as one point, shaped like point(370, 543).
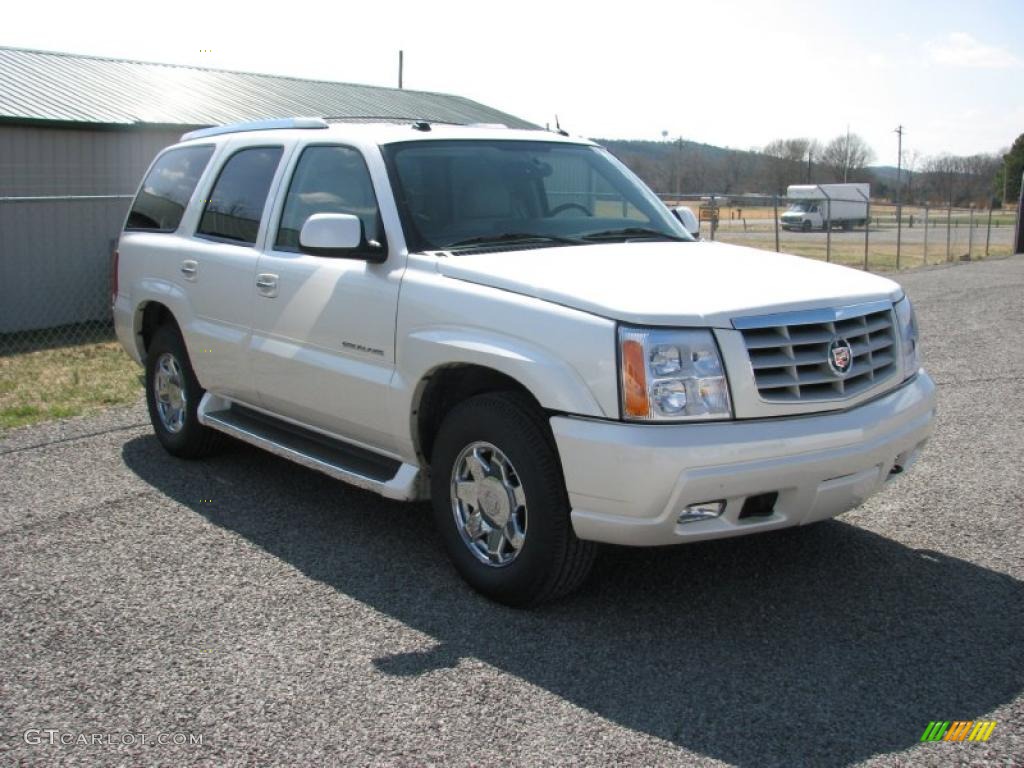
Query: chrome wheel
point(489, 504)
point(169, 393)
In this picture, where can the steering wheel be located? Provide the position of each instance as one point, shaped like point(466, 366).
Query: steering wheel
point(566, 206)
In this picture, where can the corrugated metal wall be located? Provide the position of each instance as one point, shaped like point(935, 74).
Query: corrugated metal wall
point(55, 253)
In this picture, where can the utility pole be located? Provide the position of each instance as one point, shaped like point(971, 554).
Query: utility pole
point(401, 65)
point(899, 184)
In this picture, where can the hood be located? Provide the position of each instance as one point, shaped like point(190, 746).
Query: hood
point(669, 283)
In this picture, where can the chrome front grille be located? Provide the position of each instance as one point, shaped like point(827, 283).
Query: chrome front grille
point(789, 353)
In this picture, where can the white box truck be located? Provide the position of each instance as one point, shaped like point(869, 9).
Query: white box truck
point(812, 206)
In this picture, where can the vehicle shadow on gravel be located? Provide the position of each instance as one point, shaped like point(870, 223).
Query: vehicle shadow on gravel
point(825, 645)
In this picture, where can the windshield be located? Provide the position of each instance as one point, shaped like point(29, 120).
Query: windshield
point(472, 193)
point(802, 206)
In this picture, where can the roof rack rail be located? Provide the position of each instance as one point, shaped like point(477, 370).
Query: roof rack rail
point(389, 119)
point(257, 125)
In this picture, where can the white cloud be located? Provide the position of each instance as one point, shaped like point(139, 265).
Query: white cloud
point(959, 49)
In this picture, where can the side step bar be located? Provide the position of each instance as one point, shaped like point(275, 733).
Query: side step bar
point(389, 477)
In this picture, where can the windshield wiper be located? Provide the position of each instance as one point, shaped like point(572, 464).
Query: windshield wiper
point(513, 237)
point(630, 233)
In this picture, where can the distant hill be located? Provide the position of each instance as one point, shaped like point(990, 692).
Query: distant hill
point(666, 149)
point(886, 173)
point(661, 148)
point(691, 167)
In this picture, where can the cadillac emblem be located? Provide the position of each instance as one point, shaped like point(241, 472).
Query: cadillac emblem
point(840, 357)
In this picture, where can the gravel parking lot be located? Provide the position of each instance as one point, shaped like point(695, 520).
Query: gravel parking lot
point(284, 618)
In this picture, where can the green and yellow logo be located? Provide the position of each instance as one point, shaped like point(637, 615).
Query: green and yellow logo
point(958, 730)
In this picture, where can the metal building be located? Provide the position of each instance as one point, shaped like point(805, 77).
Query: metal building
point(77, 133)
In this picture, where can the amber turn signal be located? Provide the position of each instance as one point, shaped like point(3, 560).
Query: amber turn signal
point(634, 379)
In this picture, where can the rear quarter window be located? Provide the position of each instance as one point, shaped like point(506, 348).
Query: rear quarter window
point(167, 189)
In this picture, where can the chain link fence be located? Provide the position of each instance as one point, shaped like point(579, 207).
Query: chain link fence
point(884, 237)
point(55, 269)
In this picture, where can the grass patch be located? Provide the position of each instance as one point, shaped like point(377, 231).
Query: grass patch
point(70, 381)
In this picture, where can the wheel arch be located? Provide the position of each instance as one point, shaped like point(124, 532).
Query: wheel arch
point(149, 316)
point(442, 388)
point(444, 365)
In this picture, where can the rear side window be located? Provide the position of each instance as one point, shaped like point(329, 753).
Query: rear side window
point(167, 189)
point(236, 203)
point(328, 180)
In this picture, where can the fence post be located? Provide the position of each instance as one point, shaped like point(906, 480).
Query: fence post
point(899, 230)
point(949, 231)
point(988, 230)
point(828, 230)
point(925, 259)
point(970, 235)
point(867, 232)
point(775, 200)
point(714, 218)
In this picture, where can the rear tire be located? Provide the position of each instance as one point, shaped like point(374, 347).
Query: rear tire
point(498, 450)
point(173, 394)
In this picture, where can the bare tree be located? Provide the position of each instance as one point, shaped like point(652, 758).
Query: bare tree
point(786, 161)
point(846, 156)
point(737, 169)
point(956, 180)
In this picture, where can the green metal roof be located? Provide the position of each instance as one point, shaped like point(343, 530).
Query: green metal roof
point(70, 88)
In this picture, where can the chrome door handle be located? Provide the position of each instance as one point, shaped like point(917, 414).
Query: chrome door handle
point(189, 268)
point(266, 284)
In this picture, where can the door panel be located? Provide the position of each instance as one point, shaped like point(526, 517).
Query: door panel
point(323, 328)
point(221, 294)
point(217, 269)
point(323, 347)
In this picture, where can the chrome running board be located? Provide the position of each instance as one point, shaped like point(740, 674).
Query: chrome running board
point(358, 466)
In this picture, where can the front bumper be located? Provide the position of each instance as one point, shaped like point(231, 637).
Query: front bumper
point(629, 483)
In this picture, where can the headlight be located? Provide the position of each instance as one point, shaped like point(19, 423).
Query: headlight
point(671, 375)
point(907, 322)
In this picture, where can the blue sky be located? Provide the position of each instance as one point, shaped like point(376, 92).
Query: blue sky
point(725, 72)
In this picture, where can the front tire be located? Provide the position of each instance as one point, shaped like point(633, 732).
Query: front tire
point(173, 394)
point(500, 502)
point(806, 227)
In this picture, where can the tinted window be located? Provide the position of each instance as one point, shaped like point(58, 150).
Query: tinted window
point(167, 189)
point(236, 203)
point(328, 180)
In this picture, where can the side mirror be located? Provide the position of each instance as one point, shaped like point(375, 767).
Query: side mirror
point(688, 219)
point(339, 235)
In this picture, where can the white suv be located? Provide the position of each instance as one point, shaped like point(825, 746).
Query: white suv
point(511, 324)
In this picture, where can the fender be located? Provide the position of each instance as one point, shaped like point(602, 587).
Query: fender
point(564, 357)
point(142, 293)
point(555, 384)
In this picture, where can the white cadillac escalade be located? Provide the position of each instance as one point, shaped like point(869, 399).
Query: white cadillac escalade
point(510, 324)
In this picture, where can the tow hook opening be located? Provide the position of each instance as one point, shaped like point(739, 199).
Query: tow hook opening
point(761, 505)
